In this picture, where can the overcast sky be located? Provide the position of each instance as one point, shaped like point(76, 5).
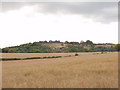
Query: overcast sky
point(24, 22)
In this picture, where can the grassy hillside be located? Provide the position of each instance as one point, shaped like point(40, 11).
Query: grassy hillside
point(60, 47)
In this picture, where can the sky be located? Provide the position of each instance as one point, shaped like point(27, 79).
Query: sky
point(24, 22)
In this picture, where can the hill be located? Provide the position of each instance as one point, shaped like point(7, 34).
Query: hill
point(60, 47)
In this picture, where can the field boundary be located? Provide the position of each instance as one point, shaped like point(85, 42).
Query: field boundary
point(29, 58)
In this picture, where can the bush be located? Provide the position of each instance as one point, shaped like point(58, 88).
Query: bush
point(6, 59)
point(102, 52)
point(76, 54)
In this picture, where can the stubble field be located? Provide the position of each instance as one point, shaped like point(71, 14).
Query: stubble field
point(88, 70)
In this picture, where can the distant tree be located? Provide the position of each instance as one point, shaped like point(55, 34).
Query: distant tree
point(81, 41)
point(74, 43)
point(50, 41)
point(66, 42)
point(117, 47)
point(89, 42)
point(45, 41)
point(56, 41)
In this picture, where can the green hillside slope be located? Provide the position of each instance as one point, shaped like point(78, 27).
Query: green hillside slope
point(60, 47)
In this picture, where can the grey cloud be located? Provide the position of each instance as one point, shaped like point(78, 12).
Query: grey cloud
point(7, 6)
point(104, 12)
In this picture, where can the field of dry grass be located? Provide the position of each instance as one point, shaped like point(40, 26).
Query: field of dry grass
point(0, 71)
point(88, 70)
point(0, 74)
point(25, 55)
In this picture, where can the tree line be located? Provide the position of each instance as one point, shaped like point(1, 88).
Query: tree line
point(64, 47)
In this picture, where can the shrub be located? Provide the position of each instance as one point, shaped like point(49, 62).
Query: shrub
point(76, 54)
point(102, 52)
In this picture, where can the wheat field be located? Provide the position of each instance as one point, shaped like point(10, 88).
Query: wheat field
point(24, 55)
point(88, 70)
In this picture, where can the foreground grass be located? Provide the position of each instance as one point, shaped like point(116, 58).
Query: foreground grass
point(83, 71)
